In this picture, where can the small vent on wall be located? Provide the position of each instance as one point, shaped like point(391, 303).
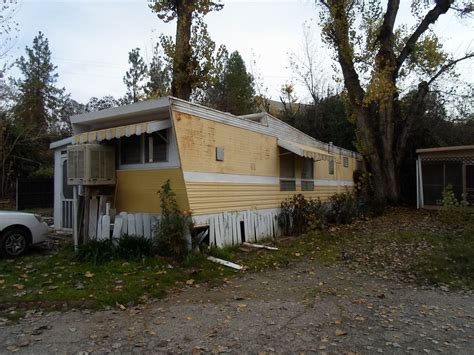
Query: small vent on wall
point(219, 154)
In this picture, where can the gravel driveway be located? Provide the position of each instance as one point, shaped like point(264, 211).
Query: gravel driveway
point(306, 307)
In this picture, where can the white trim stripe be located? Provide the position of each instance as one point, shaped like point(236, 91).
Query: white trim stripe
point(219, 177)
point(253, 179)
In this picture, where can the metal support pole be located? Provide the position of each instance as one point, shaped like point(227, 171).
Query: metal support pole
point(417, 184)
point(422, 198)
point(75, 225)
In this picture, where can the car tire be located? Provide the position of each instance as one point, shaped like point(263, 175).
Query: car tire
point(13, 242)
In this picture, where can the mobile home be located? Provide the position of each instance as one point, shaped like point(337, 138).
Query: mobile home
point(231, 172)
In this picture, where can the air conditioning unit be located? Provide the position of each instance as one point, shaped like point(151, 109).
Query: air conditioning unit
point(90, 164)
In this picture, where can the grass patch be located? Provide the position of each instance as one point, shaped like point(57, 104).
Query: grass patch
point(59, 276)
point(450, 261)
point(437, 256)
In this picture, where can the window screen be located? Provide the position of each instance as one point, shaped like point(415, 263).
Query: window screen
point(331, 167)
point(130, 150)
point(67, 189)
point(287, 165)
point(307, 168)
point(156, 147)
point(345, 162)
point(307, 174)
point(287, 171)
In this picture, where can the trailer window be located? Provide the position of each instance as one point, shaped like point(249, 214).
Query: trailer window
point(331, 167)
point(287, 171)
point(156, 147)
point(307, 174)
point(130, 150)
point(345, 162)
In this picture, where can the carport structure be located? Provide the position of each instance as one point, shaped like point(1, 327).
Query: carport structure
point(437, 168)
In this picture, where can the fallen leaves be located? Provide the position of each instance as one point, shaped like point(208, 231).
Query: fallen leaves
point(88, 274)
point(339, 332)
point(19, 286)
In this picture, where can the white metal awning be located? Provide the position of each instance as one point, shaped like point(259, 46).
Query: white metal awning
point(123, 131)
point(305, 151)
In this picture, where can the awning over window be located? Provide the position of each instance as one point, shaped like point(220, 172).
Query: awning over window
point(123, 131)
point(305, 151)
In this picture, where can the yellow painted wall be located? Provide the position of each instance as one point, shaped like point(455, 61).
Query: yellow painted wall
point(137, 190)
point(340, 172)
point(207, 198)
point(245, 152)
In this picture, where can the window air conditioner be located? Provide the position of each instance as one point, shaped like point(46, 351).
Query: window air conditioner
point(90, 164)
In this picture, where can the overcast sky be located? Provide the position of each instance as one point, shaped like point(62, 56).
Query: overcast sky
point(90, 39)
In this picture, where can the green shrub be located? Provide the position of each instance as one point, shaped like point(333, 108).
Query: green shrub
point(96, 251)
point(132, 247)
point(343, 208)
point(171, 230)
point(299, 215)
point(453, 210)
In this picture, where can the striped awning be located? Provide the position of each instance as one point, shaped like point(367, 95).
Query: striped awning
point(123, 131)
point(305, 151)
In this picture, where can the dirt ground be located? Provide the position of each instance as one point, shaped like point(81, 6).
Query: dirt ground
point(306, 307)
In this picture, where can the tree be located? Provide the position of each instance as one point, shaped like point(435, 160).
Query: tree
point(38, 100)
point(8, 26)
point(159, 74)
point(239, 89)
point(69, 107)
point(290, 104)
point(326, 120)
point(262, 98)
point(135, 78)
point(97, 104)
point(231, 88)
point(22, 152)
point(376, 60)
point(185, 60)
point(307, 68)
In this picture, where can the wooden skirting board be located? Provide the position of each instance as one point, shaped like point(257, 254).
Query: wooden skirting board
point(227, 228)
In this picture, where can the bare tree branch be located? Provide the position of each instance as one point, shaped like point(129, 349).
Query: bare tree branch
point(441, 7)
point(449, 65)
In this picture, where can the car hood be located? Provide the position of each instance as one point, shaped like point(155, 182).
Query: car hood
point(14, 213)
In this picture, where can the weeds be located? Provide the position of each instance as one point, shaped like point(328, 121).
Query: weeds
point(173, 226)
point(342, 208)
point(131, 247)
point(299, 215)
point(96, 251)
point(453, 210)
point(127, 247)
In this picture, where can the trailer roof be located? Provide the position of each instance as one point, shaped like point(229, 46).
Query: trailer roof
point(445, 149)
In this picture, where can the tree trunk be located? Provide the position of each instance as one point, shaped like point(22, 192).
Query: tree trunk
point(181, 85)
point(377, 143)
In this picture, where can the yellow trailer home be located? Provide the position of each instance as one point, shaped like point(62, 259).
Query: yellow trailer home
point(231, 172)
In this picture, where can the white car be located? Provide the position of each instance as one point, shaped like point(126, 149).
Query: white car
point(18, 230)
